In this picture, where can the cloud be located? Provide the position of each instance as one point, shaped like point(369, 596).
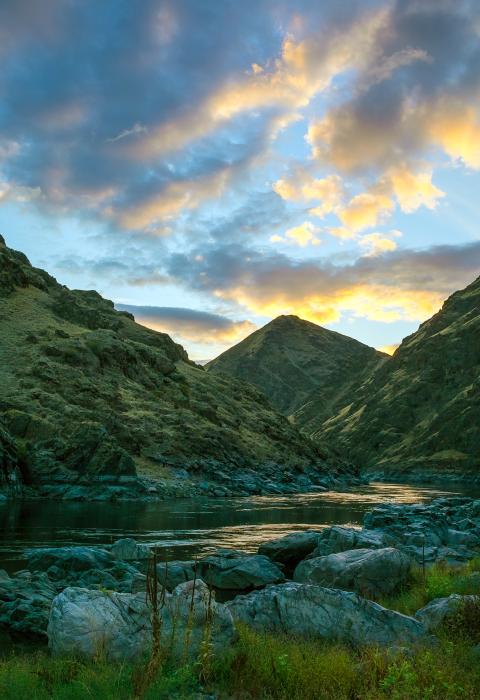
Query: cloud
point(301, 187)
point(379, 243)
point(302, 235)
point(400, 285)
point(413, 189)
point(190, 325)
point(422, 95)
point(303, 69)
point(366, 210)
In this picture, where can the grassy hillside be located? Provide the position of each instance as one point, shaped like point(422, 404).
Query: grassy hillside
point(298, 365)
point(421, 409)
point(88, 392)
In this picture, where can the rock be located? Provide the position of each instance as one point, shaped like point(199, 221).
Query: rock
point(171, 574)
point(339, 538)
point(438, 611)
point(370, 572)
point(68, 558)
point(291, 549)
point(232, 570)
point(322, 613)
point(457, 537)
point(128, 549)
point(86, 567)
point(84, 623)
point(25, 601)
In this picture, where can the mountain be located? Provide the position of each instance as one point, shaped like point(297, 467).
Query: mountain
point(419, 412)
point(298, 365)
point(88, 395)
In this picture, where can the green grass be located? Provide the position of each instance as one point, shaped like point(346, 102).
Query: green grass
point(267, 667)
point(439, 581)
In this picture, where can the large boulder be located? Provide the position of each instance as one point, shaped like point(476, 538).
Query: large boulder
point(434, 615)
point(340, 538)
point(68, 558)
point(232, 570)
point(25, 601)
point(172, 573)
point(322, 613)
point(291, 549)
point(370, 572)
point(85, 623)
point(128, 549)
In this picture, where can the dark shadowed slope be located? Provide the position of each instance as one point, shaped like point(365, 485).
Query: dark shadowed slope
point(420, 411)
point(295, 362)
point(86, 391)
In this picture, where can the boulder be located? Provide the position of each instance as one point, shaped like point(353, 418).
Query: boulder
point(322, 613)
point(171, 574)
point(371, 572)
point(339, 538)
point(438, 611)
point(128, 549)
point(68, 558)
point(25, 601)
point(291, 549)
point(85, 623)
point(232, 570)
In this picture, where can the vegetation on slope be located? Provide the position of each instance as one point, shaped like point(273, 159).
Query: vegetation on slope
point(86, 391)
point(420, 409)
point(298, 365)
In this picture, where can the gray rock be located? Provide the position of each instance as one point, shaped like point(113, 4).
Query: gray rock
point(128, 549)
point(68, 558)
point(339, 538)
point(371, 572)
point(85, 623)
point(457, 537)
point(322, 613)
point(25, 601)
point(291, 549)
point(86, 567)
point(438, 611)
point(232, 570)
point(171, 574)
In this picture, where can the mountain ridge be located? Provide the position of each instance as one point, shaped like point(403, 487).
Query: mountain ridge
point(292, 359)
point(89, 394)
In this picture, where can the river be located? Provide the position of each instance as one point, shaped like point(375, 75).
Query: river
point(184, 528)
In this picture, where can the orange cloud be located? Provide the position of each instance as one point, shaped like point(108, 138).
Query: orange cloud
point(379, 243)
point(413, 189)
point(302, 235)
point(374, 302)
point(303, 69)
point(366, 210)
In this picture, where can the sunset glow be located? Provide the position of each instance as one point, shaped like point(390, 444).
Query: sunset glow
point(212, 165)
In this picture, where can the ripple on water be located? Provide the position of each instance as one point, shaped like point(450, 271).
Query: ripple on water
point(185, 528)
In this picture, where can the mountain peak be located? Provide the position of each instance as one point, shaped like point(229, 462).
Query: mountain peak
point(290, 358)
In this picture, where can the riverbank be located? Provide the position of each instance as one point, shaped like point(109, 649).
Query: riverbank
point(263, 666)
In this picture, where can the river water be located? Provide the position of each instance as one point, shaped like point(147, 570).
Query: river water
point(184, 528)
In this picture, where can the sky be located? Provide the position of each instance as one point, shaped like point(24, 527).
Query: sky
point(209, 165)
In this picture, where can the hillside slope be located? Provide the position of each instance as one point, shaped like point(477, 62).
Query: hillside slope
point(420, 411)
point(90, 395)
point(295, 362)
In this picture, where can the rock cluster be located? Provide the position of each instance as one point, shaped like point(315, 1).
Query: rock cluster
point(95, 599)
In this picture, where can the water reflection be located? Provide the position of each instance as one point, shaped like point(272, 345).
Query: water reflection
point(183, 528)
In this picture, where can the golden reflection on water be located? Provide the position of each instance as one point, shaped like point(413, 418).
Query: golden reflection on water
point(184, 528)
